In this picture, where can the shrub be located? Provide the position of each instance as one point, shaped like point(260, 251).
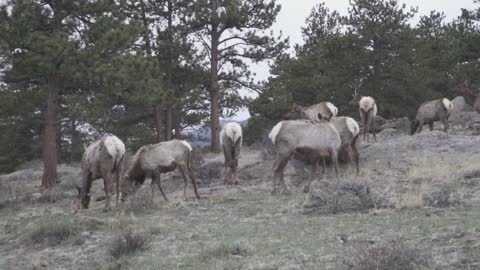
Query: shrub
point(339, 197)
point(52, 230)
point(52, 195)
point(126, 243)
point(210, 171)
point(439, 199)
point(226, 249)
point(395, 255)
point(141, 201)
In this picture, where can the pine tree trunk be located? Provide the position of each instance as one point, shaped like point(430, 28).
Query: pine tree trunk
point(214, 95)
point(169, 68)
point(158, 123)
point(168, 120)
point(74, 142)
point(49, 178)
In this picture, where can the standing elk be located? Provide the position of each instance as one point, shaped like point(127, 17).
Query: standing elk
point(320, 111)
point(348, 129)
point(349, 132)
point(367, 109)
point(152, 160)
point(314, 140)
point(431, 111)
point(231, 141)
point(102, 159)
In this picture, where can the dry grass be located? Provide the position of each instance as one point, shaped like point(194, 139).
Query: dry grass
point(223, 250)
point(52, 230)
point(127, 242)
point(340, 197)
point(395, 255)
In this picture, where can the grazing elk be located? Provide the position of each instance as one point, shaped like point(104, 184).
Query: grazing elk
point(316, 112)
point(368, 110)
point(314, 140)
point(231, 141)
point(349, 132)
point(152, 160)
point(431, 111)
point(102, 159)
point(348, 129)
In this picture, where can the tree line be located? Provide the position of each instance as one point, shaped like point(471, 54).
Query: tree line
point(138, 69)
point(73, 70)
point(379, 48)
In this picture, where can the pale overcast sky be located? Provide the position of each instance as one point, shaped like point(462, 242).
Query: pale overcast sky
point(294, 12)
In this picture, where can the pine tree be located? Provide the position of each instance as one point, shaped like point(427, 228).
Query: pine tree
point(48, 45)
point(232, 36)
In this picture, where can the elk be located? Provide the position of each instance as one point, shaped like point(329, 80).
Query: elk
point(431, 111)
point(152, 160)
point(102, 159)
point(367, 109)
point(348, 129)
point(312, 139)
point(231, 141)
point(349, 132)
point(316, 112)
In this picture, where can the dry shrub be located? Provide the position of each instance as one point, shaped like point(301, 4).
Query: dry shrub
point(339, 197)
point(223, 250)
point(395, 255)
point(140, 201)
point(52, 195)
point(209, 171)
point(440, 199)
point(411, 199)
point(52, 230)
point(127, 242)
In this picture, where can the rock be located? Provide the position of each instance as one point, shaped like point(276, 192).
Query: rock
point(460, 105)
point(36, 196)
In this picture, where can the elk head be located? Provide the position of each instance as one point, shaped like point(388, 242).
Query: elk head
point(356, 96)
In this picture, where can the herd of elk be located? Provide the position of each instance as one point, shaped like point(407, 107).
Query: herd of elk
point(315, 132)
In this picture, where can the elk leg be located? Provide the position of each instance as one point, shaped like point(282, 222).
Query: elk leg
point(106, 186)
point(445, 125)
point(374, 127)
point(356, 155)
point(430, 125)
point(306, 189)
point(85, 191)
point(369, 123)
point(156, 176)
point(420, 126)
point(350, 156)
point(225, 166)
point(152, 188)
point(185, 179)
point(117, 188)
point(278, 172)
point(334, 156)
point(194, 181)
point(364, 124)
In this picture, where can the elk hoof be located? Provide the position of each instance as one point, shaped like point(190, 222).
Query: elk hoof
point(306, 189)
